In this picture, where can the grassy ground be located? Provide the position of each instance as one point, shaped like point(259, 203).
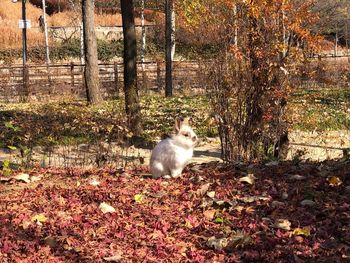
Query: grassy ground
point(71, 123)
point(320, 109)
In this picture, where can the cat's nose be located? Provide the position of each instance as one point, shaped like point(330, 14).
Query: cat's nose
point(194, 138)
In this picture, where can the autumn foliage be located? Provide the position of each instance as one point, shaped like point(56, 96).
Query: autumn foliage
point(260, 43)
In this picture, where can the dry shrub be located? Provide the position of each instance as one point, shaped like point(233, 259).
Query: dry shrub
point(250, 80)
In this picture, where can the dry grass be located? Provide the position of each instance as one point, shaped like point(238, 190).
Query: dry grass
point(10, 34)
point(70, 18)
point(13, 11)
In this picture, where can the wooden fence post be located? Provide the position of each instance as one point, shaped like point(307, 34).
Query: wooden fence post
point(144, 79)
point(26, 85)
point(72, 74)
point(200, 74)
point(83, 79)
point(116, 80)
point(159, 80)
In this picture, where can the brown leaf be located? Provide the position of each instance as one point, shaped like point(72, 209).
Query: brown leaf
point(209, 214)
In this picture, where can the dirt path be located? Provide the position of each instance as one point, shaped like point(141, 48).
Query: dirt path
point(312, 146)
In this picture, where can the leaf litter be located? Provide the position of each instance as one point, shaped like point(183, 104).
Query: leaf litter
point(215, 219)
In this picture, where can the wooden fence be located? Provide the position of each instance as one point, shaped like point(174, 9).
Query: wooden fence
point(42, 82)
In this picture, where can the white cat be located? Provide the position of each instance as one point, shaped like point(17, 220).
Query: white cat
point(170, 156)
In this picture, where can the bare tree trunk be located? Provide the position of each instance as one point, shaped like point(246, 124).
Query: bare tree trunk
point(173, 28)
point(132, 106)
point(90, 49)
point(169, 46)
point(235, 34)
point(143, 44)
point(82, 58)
point(143, 34)
point(46, 34)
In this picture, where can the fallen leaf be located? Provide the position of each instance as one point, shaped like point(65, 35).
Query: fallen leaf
point(106, 208)
point(334, 181)
point(22, 177)
point(239, 240)
point(39, 218)
point(138, 198)
point(301, 231)
point(276, 204)
point(217, 243)
point(219, 220)
point(282, 224)
point(209, 214)
point(94, 182)
point(203, 189)
point(250, 179)
point(116, 258)
point(211, 194)
point(25, 224)
point(307, 202)
point(296, 177)
point(35, 178)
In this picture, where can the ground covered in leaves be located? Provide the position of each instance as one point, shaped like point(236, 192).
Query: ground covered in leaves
point(274, 212)
point(26, 125)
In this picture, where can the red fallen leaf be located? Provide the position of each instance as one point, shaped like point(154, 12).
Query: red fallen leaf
point(119, 235)
point(191, 222)
point(156, 212)
point(196, 257)
point(77, 217)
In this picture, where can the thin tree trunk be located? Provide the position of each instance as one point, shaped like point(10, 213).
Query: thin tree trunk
point(132, 106)
point(235, 36)
point(82, 59)
point(169, 35)
point(90, 50)
point(143, 33)
point(46, 34)
point(143, 44)
point(173, 28)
